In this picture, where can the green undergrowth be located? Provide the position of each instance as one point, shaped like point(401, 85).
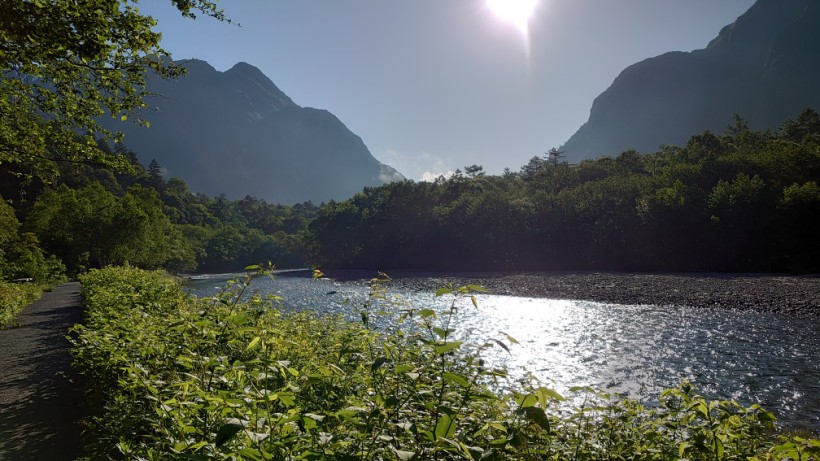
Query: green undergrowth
point(14, 297)
point(177, 377)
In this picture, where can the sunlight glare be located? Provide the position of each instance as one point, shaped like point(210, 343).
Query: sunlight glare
point(517, 12)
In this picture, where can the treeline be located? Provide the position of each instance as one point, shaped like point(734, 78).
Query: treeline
point(742, 201)
point(88, 216)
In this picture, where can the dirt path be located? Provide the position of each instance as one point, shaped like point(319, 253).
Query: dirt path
point(40, 404)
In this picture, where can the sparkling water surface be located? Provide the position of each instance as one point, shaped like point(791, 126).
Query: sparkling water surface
point(753, 357)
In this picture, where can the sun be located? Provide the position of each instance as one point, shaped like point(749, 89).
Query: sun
point(516, 12)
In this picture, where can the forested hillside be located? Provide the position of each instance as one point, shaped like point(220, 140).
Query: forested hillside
point(742, 201)
point(93, 217)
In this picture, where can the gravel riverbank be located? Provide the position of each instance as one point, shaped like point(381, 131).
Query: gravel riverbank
point(770, 293)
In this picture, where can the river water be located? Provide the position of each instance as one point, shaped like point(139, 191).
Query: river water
point(753, 357)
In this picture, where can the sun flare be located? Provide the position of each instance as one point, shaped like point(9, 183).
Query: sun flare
point(516, 12)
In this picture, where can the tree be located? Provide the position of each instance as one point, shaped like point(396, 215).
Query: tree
point(474, 170)
point(807, 124)
point(73, 224)
point(91, 227)
point(554, 155)
point(155, 178)
point(531, 169)
point(8, 234)
point(65, 64)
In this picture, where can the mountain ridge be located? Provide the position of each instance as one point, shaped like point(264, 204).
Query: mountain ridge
point(759, 67)
point(236, 133)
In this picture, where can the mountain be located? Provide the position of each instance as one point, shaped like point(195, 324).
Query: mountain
point(236, 133)
point(763, 67)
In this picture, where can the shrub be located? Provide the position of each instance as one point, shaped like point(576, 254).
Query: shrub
point(233, 377)
point(14, 297)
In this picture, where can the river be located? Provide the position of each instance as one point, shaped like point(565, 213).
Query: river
point(634, 350)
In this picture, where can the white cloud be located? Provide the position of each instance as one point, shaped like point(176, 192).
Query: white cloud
point(420, 167)
point(428, 176)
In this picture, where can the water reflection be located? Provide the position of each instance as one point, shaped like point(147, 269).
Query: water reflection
point(633, 350)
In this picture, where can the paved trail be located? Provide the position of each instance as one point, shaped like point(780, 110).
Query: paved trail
point(40, 402)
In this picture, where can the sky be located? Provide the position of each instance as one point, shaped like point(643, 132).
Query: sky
point(434, 85)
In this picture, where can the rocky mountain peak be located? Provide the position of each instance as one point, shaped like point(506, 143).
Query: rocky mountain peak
point(762, 67)
point(237, 133)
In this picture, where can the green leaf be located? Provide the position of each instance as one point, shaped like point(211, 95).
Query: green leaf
point(255, 455)
point(123, 118)
point(701, 407)
point(404, 455)
point(451, 346)
point(226, 432)
point(309, 423)
point(719, 448)
point(585, 389)
point(403, 368)
point(443, 291)
point(424, 313)
point(287, 398)
point(537, 416)
point(544, 394)
point(238, 319)
point(765, 416)
point(509, 338)
point(526, 400)
point(197, 446)
point(253, 344)
point(445, 426)
point(378, 363)
point(500, 343)
point(456, 378)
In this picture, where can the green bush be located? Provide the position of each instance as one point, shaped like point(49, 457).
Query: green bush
point(29, 261)
point(184, 378)
point(14, 297)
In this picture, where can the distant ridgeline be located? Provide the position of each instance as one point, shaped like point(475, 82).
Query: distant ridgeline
point(742, 201)
point(236, 133)
point(764, 66)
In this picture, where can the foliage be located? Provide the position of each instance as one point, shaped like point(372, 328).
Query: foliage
point(94, 216)
point(28, 261)
point(92, 227)
point(8, 235)
point(14, 297)
point(66, 64)
point(741, 201)
point(234, 378)
point(64, 67)
point(21, 255)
